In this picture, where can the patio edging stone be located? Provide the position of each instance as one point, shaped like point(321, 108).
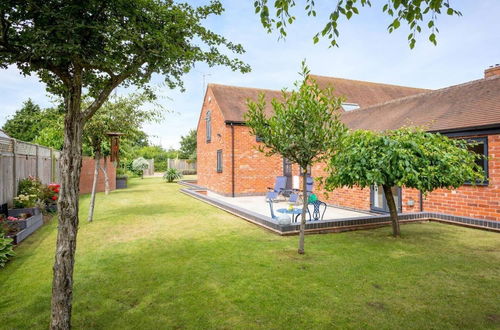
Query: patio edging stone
point(345, 224)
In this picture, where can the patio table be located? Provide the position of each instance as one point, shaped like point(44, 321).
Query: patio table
point(295, 211)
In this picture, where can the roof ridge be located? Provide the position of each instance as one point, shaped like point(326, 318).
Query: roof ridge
point(368, 82)
point(430, 92)
point(243, 87)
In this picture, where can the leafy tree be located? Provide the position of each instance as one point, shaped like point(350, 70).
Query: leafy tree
point(416, 14)
point(25, 124)
point(139, 165)
point(52, 134)
point(408, 157)
point(96, 46)
point(303, 127)
point(119, 114)
point(188, 146)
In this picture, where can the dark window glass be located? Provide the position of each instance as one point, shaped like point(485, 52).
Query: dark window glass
point(481, 148)
point(287, 167)
point(219, 161)
point(208, 126)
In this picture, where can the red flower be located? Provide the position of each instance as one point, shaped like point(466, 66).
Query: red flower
point(54, 198)
point(56, 190)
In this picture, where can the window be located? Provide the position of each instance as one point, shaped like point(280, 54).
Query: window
point(219, 161)
point(481, 148)
point(350, 106)
point(208, 126)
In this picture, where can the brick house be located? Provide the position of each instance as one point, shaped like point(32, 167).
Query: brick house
point(229, 164)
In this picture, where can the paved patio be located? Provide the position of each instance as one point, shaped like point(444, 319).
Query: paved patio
point(258, 205)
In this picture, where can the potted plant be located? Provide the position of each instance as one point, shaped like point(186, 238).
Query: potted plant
point(121, 181)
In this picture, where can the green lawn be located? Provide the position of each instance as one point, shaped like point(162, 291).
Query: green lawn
point(156, 259)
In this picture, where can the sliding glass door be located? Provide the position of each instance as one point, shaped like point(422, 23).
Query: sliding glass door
point(378, 202)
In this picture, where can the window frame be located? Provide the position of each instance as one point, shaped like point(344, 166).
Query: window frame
point(219, 161)
point(484, 141)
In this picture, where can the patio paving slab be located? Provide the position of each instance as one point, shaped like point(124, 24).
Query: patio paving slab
point(259, 205)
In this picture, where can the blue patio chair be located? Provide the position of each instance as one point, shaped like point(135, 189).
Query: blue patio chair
point(293, 198)
point(279, 188)
point(270, 202)
point(316, 214)
point(309, 188)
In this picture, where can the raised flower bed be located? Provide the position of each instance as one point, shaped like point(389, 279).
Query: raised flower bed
point(23, 222)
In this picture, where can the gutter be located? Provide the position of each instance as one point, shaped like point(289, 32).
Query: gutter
point(232, 159)
point(235, 122)
point(470, 131)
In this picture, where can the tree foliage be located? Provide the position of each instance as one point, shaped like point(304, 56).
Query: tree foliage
point(122, 114)
point(188, 146)
point(24, 124)
point(27, 122)
point(303, 128)
point(416, 14)
point(407, 157)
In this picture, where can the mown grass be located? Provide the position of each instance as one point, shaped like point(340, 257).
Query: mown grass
point(157, 259)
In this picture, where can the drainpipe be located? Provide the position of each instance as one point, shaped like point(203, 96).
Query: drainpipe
point(421, 202)
point(232, 159)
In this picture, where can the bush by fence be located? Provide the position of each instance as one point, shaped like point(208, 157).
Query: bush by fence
point(19, 160)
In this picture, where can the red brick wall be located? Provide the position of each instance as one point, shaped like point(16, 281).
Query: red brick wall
point(481, 202)
point(206, 166)
point(87, 176)
point(254, 172)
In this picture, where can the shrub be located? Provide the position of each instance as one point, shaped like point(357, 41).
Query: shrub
point(139, 165)
point(30, 186)
point(172, 174)
point(6, 251)
point(25, 200)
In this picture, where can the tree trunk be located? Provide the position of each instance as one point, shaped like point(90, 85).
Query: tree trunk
point(70, 167)
point(305, 201)
point(97, 165)
point(392, 209)
point(106, 177)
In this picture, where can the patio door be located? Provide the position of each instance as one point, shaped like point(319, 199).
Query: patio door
point(287, 171)
point(378, 202)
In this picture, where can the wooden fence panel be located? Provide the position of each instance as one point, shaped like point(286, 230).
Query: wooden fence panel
point(182, 164)
point(19, 160)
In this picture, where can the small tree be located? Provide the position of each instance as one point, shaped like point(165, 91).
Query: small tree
point(303, 128)
point(408, 157)
point(139, 165)
point(188, 146)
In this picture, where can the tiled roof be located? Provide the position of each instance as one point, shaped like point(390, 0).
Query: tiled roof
point(365, 93)
point(476, 103)
point(232, 99)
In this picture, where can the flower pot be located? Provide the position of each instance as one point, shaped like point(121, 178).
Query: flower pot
point(121, 182)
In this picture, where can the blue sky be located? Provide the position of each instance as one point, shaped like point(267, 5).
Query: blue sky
point(466, 46)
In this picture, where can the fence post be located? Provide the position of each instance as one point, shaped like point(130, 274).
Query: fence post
point(51, 165)
point(37, 174)
point(14, 174)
